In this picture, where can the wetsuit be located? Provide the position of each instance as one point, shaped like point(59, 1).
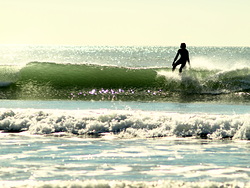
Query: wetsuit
point(183, 59)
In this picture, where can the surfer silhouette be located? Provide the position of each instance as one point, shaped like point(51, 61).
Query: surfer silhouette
point(184, 58)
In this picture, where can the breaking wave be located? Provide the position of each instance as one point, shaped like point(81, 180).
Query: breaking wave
point(125, 124)
point(87, 81)
point(40, 80)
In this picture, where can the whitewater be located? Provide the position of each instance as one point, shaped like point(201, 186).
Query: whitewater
point(112, 116)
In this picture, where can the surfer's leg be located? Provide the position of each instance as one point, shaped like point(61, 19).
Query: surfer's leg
point(175, 65)
point(182, 66)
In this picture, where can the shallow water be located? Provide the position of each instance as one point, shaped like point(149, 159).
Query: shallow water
point(201, 107)
point(42, 158)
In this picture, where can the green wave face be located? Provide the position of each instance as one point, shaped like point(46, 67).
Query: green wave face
point(87, 76)
point(39, 80)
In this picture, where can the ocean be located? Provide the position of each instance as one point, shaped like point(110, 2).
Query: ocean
point(117, 116)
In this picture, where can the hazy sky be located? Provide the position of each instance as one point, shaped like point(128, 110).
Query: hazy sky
point(125, 22)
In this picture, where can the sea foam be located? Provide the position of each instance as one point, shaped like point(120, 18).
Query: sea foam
point(125, 123)
point(121, 184)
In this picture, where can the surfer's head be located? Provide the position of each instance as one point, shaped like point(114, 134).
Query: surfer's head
point(183, 45)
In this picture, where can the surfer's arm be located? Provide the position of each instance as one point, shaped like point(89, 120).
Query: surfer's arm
point(189, 64)
point(176, 57)
point(188, 60)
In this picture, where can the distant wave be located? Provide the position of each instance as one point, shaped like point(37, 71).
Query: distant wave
point(51, 80)
point(125, 124)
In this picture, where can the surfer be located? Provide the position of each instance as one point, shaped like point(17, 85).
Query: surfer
point(183, 52)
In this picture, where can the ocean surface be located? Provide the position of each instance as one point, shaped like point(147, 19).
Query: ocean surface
point(113, 116)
